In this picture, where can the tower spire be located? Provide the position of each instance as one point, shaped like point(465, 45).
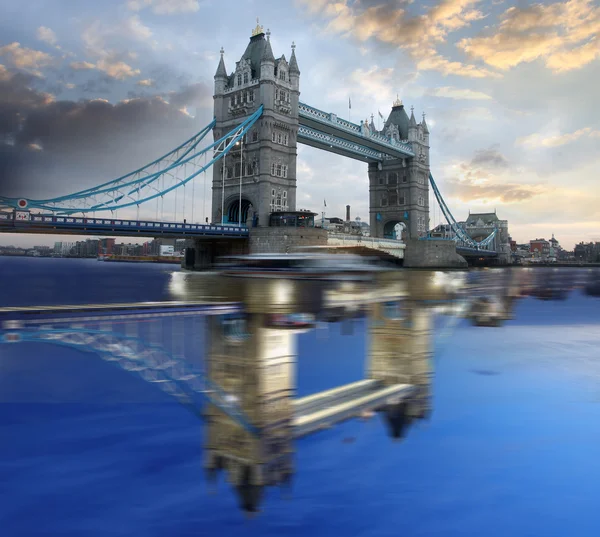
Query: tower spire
point(221, 71)
point(293, 62)
point(258, 30)
point(424, 124)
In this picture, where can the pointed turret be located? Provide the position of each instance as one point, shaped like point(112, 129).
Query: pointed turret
point(424, 124)
point(221, 75)
point(412, 122)
point(293, 62)
point(221, 71)
point(267, 55)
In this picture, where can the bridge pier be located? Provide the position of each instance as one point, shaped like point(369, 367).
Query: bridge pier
point(432, 253)
point(205, 252)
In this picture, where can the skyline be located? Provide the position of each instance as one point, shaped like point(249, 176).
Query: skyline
point(507, 91)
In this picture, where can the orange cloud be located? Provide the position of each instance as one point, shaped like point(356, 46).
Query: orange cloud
point(562, 34)
point(25, 58)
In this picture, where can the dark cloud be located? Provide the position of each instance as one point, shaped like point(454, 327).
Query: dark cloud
point(489, 158)
point(50, 147)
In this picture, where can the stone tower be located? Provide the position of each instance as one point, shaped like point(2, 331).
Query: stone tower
point(399, 188)
point(254, 364)
point(400, 353)
point(267, 162)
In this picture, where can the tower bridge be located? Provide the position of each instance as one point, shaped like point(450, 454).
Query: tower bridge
point(258, 123)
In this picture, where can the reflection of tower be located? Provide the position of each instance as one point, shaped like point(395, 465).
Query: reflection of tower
point(256, 367)
point(400, 353)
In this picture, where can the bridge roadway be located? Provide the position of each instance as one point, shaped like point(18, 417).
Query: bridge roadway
point(70, 225)
point(325, 409)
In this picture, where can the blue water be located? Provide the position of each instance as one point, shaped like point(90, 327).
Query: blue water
point(511, 448)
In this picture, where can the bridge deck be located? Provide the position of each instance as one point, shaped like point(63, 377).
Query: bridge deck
point(306, 404)
point(307, 423)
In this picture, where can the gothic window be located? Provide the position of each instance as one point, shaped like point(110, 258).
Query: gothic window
point(279, 138)
point(237, 168)
point(274, 137)
point(239, 79)
point(394, 199)
point(384, 201)
point(245, 78)
point(405, 178)
point(276, 94)
point(282, 74)
point(272, 168)
point(421, 201)
point(285, 139)
point(284, 171)
point(392, 178)
point(278, 170)
point(255, 135)
point(251, 96)
point(381, 179)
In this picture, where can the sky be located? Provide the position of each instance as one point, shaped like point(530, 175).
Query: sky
point(92, 90)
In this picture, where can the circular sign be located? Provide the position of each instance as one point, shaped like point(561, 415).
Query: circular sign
point(22, 203)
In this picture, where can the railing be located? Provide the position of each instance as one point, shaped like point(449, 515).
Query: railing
point(324, 117)
point(68, 222)
point(334, 141)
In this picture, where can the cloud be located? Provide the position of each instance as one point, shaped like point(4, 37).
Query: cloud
point(84, 142)
point(165, 7)
point(562, 34)
point(539, 140)
point(46, 35)
point(25, 58)
point(419, 35)
point(101, 39)
point(117, 69)
point(457, 93)
point(147, 82)
point(79, 66)
point(487, 178)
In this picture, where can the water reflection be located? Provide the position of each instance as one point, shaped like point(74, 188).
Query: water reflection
point(253, 356)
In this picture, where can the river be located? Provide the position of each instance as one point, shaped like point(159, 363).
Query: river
point(502, 440)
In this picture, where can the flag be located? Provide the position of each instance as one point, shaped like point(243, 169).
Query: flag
point(324, 203)
point(380, 115)
point(349, 103)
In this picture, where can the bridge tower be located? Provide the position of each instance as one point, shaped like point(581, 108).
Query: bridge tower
point(399, 353)
point(254, 363)
point(267, 158)
point(399, 188)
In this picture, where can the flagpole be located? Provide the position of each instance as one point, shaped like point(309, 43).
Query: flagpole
point(349, 108)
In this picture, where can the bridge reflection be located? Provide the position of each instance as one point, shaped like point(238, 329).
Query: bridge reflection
point(255, 363)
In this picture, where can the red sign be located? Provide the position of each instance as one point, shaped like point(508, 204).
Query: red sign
point(22, 203)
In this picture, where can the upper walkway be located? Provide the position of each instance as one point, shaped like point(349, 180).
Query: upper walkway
point(331, 133)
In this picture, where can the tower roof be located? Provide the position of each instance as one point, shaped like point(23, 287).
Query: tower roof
point(293, 62)
point(267, 55)
point(398, 117)
point(221, 71)
point(412, 122)
point(256, 50)
point(425, 129)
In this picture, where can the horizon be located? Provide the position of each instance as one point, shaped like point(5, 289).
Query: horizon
point(91, 97)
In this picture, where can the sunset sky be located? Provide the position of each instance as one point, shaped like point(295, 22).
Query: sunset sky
point(91, 90)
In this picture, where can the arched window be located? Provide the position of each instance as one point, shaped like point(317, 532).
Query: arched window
point(272, 168)
point(245, 78)
point(239, 79)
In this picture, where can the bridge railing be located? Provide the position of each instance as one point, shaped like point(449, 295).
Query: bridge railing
point(325, 117)
point(372, 241)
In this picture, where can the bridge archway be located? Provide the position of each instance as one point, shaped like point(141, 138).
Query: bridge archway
point(233, 211)
point(395, 229)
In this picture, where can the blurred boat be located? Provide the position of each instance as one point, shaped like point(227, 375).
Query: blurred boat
point(304, 266)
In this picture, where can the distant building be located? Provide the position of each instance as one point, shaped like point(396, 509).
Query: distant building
point(539, 248)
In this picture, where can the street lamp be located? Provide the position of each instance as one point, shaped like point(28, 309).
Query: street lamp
point(222, 191)
point(240, 142)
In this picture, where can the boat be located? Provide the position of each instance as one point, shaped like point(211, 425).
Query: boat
point(300, 265)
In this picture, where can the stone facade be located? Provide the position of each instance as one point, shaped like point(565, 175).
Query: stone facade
point(399, 188)
point(282, 240)
point(432, 254)
point(267, 158)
